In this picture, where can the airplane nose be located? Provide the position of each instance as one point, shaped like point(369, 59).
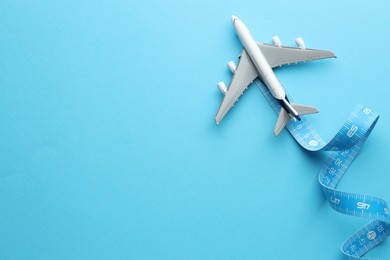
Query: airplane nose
point(234, 18)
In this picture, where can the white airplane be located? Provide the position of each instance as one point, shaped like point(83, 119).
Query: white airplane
point(257, 60)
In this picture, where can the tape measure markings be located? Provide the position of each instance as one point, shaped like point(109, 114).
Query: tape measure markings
point(345, 146)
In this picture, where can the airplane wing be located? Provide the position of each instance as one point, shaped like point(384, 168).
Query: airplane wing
point(243, 76)
point(278, 56)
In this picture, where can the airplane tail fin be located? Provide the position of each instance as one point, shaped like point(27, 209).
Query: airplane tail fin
point(283, 119)
point(304, 110)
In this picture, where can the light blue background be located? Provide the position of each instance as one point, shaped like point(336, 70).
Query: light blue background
point(108, 146)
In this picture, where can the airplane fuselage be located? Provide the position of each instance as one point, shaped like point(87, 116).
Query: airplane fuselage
point(262, 66)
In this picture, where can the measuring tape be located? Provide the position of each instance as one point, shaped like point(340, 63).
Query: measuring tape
point(344, 146)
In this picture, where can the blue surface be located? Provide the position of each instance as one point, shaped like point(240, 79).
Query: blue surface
point(109, 149)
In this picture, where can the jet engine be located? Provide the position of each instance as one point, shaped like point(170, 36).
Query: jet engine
point(222, 87)
point(277, 41)
point(301, 44)
point(232, 66)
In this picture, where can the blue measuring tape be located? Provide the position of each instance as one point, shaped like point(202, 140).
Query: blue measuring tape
point(345, 146)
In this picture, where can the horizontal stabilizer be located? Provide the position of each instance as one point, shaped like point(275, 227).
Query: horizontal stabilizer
point(304, 110)
point(283, 119)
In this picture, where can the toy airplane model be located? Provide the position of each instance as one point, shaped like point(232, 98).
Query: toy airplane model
point(257, 60)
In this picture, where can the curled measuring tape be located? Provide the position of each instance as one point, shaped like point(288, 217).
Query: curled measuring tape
point(344, 146)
